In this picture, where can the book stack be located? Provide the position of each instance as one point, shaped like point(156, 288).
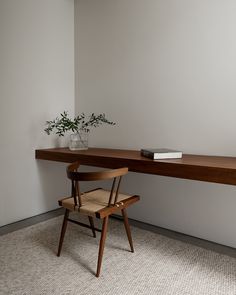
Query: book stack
point(161, 153)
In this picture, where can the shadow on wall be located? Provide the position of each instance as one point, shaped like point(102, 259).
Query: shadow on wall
point(53, 182)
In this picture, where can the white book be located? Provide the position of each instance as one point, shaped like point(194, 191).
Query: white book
point(161, 153)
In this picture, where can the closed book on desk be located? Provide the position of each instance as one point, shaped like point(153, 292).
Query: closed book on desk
point(161, 153)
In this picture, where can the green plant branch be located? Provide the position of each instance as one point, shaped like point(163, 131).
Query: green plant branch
point(63, 123)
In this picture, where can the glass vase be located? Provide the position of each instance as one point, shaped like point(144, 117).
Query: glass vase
point(79, 141)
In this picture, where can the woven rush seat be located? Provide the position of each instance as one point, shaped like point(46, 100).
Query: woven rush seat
point(92, 202)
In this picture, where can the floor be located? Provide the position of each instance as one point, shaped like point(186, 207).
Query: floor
point(165, 232)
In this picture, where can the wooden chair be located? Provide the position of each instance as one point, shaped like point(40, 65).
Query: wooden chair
point(97, 203)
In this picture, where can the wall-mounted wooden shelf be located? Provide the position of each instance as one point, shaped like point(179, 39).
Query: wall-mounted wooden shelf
point(204, 168)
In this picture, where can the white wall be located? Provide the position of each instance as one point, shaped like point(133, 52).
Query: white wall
point(36, 83)
point(165, 71)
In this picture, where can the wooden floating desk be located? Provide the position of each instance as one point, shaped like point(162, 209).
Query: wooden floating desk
point(204, 168)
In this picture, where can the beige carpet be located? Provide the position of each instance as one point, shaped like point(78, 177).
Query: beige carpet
point(28, 264)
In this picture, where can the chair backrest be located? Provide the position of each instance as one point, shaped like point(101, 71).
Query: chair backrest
point(76, 177)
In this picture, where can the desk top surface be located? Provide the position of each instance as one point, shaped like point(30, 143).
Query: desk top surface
point(197, 167)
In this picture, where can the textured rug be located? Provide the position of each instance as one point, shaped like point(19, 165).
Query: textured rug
point(160, 265)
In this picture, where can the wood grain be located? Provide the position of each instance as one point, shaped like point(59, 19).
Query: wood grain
point(196, 167)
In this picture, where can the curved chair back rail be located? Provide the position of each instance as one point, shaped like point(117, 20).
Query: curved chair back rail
point(94, 176)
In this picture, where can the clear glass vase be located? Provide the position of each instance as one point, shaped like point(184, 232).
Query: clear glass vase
point(79, 141)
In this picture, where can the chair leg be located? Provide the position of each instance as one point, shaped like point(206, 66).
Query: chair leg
point(102, 244)
point(92, 225)
point(63, 231)
point(127, 228)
